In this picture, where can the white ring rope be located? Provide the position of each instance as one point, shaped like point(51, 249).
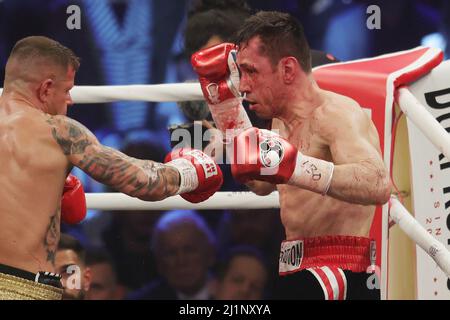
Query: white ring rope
point(412, 108)
point(157, 93)
point(424, 120)
point(137, 92)
point(248, 200)
point(419, 235)
point(219, 201)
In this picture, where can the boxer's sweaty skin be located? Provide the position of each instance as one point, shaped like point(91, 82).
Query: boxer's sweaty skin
point(323, 125)
point(38, 148)
point(32, 174)
point(345, 143)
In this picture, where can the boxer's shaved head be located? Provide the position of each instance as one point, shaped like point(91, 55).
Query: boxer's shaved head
point(36, 58)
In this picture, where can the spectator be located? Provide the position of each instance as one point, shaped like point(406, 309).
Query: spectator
point(127, 239)
point(184, 249)
point(104, 285)
point(241, 275)
point(70, 263)
point(239, 227)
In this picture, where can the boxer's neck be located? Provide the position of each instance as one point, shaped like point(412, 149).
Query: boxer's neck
point(305, 100)
point(22, 95)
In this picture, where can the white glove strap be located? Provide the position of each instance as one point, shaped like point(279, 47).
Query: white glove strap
point(188, 174)
point(230, 117)
point(312, 174)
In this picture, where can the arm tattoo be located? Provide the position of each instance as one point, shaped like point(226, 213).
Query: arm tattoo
point(111, 167)
point(72, 137)
point(52, 237)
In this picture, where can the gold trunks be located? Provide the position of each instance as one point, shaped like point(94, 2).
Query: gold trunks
point(15, 288)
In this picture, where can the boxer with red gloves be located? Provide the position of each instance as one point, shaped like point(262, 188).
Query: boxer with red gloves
point(40, 143)
point(325, 159)
point(73, 201)
point(200, 176)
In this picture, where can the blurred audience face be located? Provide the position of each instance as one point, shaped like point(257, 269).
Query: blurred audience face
point(104, 284)
point(76, 277)
point(245, 279)
point(184, 257)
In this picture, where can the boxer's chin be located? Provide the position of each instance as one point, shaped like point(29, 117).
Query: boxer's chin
point(260, 113)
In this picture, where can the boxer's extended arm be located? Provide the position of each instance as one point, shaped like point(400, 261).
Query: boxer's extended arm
point(144, 179)
point(359, 173)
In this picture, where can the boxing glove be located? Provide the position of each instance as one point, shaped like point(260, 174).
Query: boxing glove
point(73, 201)
point(264, 155)
point(218, 75)
point(200, 176)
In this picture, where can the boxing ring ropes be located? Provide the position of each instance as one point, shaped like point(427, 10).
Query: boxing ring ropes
point(410, 106)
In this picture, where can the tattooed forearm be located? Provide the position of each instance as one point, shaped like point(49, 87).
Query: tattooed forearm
point(166, 177)
point(140, 178)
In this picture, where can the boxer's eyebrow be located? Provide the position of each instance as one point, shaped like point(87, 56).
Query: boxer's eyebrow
point(247, 67)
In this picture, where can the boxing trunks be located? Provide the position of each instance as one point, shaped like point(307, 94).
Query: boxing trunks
point(329, 267)
point(17, 284)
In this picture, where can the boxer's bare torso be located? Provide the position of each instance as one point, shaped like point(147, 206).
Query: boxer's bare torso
point(37, 151)
point(340, 132)
point(323, 125)
point(308, 214)
point(39, 145)
point(32, 177)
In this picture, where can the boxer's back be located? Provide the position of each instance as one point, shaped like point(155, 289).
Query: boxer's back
point(32, 173)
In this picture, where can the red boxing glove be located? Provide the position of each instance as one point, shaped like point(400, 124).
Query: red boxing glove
point(200, 176)
point(73, 202)
point(217, 72)
point(218, 75)
point(264, 155)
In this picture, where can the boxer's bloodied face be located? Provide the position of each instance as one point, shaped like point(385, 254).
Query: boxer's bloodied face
point(260, 80)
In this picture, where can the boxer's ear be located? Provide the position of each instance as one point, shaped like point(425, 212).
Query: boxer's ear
point(44, 91)
point(87, 278)
point(289, 69)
